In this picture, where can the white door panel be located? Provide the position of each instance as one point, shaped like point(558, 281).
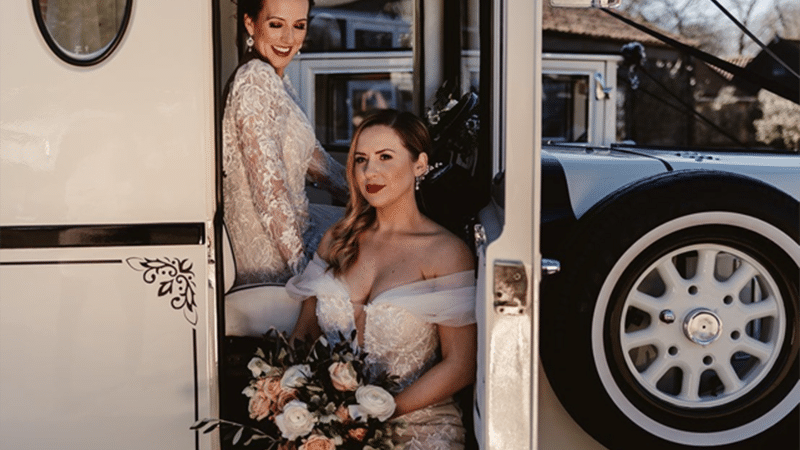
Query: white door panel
point(97, 145)
point(99, 351)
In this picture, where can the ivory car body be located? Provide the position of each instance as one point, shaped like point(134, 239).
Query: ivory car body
point(673, 322)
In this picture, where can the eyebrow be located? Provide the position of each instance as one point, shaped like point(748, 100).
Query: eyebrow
point(304, 19)
point(384, 150)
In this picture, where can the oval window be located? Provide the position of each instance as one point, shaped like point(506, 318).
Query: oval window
point(82, 32)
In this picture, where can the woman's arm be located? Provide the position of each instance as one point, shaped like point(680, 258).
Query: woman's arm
point(307, 324)
point(258, 141)
point(459, 345)
point(455, 371)
point(328, 173)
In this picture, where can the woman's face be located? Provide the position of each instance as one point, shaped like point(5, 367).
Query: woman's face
point(384, 169)
point(279, 30)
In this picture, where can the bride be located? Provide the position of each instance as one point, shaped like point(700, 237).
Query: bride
point(403, 282)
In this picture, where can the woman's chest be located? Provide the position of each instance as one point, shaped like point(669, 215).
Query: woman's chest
point(387, 325)
point(374, 274)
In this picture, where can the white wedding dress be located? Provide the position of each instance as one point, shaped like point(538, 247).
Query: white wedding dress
point(400, 336)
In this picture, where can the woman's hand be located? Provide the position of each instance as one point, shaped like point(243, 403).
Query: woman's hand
point(456, 370)
point(307, 325)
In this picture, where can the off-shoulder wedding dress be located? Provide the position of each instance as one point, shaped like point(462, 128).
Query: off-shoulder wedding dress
point(400, 336)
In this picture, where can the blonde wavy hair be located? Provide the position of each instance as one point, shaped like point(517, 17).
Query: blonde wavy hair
point(359, 214)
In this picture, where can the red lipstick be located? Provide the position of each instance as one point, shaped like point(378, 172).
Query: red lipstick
point(374, 188)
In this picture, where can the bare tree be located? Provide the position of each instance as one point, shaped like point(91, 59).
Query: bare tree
point(690, 19)
point(702, 22)
point(744, 11)
point(783, 20)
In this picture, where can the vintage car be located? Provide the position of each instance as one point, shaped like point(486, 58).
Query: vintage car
point(628, 296)
point(675, 312)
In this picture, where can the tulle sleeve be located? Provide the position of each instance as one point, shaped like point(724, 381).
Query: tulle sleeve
point(448, 300)
point(313, 281)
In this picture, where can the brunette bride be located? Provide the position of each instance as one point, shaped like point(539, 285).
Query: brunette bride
point(403, 282)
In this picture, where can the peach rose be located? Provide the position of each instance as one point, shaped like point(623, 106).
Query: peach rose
point(273, 388)
point(260, 405)
point(285, 397)
point(342, 414)
point(343, 376)
point(317, 442)
point(358, 433)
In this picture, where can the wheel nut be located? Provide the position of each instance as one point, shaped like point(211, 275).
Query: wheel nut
point(667, 316)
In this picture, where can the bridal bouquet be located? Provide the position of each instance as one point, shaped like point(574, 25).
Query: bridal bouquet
point(316, 396)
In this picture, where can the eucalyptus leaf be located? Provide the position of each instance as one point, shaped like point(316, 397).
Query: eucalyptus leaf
point(238, 436)
point(200, 423)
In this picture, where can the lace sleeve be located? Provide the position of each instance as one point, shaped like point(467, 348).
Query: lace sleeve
point(260, 118)
point(328, 173)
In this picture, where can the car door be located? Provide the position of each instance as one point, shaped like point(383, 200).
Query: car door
point(107, 318)
point(509, 262)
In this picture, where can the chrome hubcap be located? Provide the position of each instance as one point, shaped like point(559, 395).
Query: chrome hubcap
point(702, 326)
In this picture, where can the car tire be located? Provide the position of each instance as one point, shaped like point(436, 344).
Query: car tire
point(677, 307)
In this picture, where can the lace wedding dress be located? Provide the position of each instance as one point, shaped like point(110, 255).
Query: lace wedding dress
point(400, 336)
point(269, 150)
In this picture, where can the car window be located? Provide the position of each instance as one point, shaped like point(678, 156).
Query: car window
point(82, 32)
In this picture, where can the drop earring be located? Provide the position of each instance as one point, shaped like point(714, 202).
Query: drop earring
point(249, 42)
point(418, 180)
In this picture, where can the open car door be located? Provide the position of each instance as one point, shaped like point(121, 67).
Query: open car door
point(509, 261)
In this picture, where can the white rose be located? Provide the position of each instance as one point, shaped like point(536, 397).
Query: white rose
point(295, 376)
point(373, 401)
point(343, 376)
point(258, 366)
point(295, 420)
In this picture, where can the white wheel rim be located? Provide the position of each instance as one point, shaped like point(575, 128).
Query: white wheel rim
point(722, 437)
point(710, 337)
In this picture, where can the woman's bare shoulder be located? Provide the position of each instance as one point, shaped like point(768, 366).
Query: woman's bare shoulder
point(325, 244)
point(448, 254)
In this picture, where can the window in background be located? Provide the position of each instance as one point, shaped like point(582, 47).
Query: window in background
point(360, 26)
point(343, 99)
point(357, 57)
point(565, 106)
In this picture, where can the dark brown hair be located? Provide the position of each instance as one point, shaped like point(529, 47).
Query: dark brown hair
point(253, 7)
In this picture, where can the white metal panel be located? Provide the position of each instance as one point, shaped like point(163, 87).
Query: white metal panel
point(781, 171)
point(127, 141)
point(507, 344)
point(592, 174)
point(93, 357)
